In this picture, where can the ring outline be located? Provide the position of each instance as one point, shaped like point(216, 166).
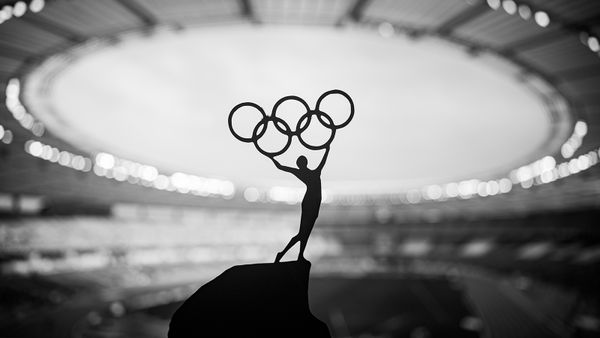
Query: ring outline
point(256, 138)
point(230, 121)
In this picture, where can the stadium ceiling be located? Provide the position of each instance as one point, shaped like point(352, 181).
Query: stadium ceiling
point(556, 40)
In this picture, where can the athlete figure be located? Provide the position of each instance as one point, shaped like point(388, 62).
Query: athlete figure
point(310, 203)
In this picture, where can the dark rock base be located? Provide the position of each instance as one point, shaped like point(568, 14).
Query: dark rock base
point(257, 300)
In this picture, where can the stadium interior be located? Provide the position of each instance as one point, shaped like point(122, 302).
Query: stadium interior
point(462, 201)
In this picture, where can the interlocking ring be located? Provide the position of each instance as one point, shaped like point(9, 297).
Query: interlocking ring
point(284, 128)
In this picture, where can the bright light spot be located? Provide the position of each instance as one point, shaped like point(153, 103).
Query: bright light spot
point(8, 137)
point(117, 309)
point(567, 150)
point(64, 158)
point(416, 247)
point(104, 160)
point(583, 162)
point(386, 29)
point(46, 152)
point(542, 19)
point(547, 177)
point(180, 181)
point(228, 189)
point(563, 170)
point(493, 188)
point(251, 194)
point(534, 250)
point(509, 6)
point(34, 148)
point(87, 164)
point(55, 153)
point(593, 43)
point(482, 189)
point(77, 163)
point(505, 185)
point(36, 5)
point(413, 196)
point(452, 189)
point(98, 170)
point(149, 173)
point(161, 182)
point(494, 4)
point(6, 13)
point(120, 173)
point(1, 132)
point(19, 9)
point(525, 12)
point(548, 163)
point(434, 192)
point(524, 174)
point(476, 248)
point(38, 129)
point(581, 128)
point(467, 188)
point(573, 166)
point(527, 184)
point(284, 194)
point(471, 323)
point(14, 85)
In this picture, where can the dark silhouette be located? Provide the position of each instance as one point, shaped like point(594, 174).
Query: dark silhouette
point(311, 178)
point(311, 203)
point(257, 300)
point(266, 300)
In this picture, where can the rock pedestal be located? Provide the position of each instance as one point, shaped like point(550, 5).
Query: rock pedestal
point(256, 300)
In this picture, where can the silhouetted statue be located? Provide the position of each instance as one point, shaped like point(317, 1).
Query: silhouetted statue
point(311, 203)
point(311, 178)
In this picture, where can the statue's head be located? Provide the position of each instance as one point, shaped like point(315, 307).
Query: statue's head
point(301, 162)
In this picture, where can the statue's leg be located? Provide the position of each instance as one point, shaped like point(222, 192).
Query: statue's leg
point(305, 229)
point(291, 243)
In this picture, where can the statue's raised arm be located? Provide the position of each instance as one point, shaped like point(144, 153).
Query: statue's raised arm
point(284, 168)
point(323, 160)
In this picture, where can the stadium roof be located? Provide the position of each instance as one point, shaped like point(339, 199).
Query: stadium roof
point(547, 48)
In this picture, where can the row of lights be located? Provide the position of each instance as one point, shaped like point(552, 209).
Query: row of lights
point(525, 11)
point(575, 140)
point(540, 172)
point(588, 39)
point(280, 194)
point(55, 155)
point(18, 111)
point(110, 166)
point(6, 136)
point(19, 9)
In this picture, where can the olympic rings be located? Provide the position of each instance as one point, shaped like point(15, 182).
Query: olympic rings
point(337, 91)
point(284, 128)
point(230, 120)
point(308, 116)
point(256, 135)
point(288, 98)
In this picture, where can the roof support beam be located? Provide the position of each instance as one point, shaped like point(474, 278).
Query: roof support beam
point(247, 10)
point(579, 73)
point(54, 28)
point(356, 13)
point(140, 12)
point(10, 52)
point(462, 18)
point(534, 41)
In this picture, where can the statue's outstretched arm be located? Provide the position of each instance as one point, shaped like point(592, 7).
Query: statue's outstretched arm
point(323, 160)
point(284, 168)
